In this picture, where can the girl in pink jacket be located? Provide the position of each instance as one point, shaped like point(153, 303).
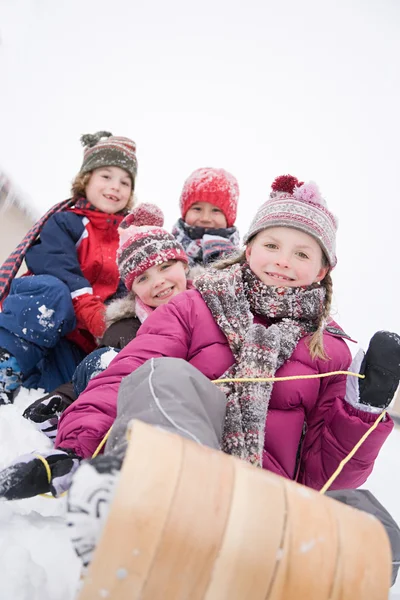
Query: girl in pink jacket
point(264, 313)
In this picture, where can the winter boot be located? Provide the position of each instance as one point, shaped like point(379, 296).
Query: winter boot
point(10, 376)
point(89, 501)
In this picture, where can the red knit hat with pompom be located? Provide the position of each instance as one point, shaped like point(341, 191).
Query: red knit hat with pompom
point(215, 186)
point(143, 243)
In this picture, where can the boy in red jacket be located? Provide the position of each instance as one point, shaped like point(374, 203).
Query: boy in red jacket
point(51, 318)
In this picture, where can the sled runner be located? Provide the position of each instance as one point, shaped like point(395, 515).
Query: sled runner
point(190, 522)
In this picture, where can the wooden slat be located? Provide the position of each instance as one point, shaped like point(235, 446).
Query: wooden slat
point(246, 563)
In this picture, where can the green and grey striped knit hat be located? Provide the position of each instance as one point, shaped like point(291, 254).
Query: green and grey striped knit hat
point(102, 149)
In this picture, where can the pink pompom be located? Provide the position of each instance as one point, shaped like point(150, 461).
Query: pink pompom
point(309, 192)
point(144, 214)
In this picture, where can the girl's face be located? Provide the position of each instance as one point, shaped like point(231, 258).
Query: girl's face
point(160, 283)
point(109, 189)
point(286, 257)
point(204, 214)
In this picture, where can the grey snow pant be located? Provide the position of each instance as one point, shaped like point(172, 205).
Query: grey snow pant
point(172, 394)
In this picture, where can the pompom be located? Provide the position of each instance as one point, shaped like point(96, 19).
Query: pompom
point(144, 214)
point(285, 183)
point(309, 192)
point(91, 139)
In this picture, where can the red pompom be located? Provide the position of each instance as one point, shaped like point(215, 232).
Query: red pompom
point(285, 183)
point(145, 214)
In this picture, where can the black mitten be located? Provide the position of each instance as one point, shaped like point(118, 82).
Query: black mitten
point(28, 476)
point(381, 367)
point(46, 411)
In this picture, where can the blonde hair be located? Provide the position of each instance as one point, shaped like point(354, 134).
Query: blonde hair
point(316, 341)
point(78, 189)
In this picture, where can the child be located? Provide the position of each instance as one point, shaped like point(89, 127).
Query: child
point(208, 207)
point(264, 314)
point(148, 258)
point(51, 318)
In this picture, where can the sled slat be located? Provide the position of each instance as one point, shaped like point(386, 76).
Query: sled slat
point(364, 565)
point(194, 529)
point(246, 563)
point(138, 515)
point(310, 548)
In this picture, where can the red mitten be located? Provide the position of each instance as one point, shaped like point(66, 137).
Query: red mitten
point(90, 311)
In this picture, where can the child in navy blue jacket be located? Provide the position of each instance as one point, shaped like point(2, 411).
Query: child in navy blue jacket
point(52, 317)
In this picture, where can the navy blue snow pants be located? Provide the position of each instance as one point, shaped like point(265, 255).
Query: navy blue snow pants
point(35, 317)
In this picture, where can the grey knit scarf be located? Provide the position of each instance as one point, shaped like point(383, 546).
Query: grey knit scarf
point(233, 296)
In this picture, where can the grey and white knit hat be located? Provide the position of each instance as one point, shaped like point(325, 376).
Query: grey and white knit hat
point(298, 205)
point(102, 149)
point(144, 243)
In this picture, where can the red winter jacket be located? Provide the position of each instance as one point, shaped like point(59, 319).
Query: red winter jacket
point(184, 328)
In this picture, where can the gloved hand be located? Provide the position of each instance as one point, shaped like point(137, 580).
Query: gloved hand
point(27, 475)
point(90, 314)
point(214, 246)
point(45, 412)
point(381, 367)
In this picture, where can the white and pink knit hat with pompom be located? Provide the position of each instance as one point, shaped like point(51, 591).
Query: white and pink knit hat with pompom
point(143, 243)
point(293, 203)
point(215, 186)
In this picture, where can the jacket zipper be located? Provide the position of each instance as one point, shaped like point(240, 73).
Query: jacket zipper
point(299, 455)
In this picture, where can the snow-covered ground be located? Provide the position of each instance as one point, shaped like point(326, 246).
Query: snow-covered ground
point(37, 560)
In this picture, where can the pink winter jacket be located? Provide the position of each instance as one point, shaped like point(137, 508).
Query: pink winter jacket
point(310, 428)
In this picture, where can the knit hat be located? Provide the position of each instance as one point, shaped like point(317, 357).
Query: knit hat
point(102, 149)
point(215, 186)
point(143, 243)
point(299, 205)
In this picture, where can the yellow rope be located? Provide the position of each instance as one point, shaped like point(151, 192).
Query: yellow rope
point(46, 466)
point(103, 441)
point(351, 454)
point(289, 378)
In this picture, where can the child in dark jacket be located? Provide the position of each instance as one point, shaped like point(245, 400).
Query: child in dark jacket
point(52, 317)
point(208, 206)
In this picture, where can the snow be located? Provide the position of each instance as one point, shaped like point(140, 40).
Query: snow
point(38, 562)
point(46, 315)
point(37, 559)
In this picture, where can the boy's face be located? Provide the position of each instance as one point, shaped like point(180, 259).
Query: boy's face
point(109, 189)
point(159, 284)
point(204, 214)
point(286, 257)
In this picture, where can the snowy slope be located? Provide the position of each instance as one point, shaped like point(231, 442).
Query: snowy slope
point(37, 561)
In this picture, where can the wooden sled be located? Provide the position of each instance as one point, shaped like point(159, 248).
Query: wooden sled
point(190, 523)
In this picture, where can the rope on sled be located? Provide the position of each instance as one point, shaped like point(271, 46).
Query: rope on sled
point(289, 378)
point(352, 452)
point(264, 379)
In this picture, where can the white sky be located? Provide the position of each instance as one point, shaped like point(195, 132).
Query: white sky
point(260, 88)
